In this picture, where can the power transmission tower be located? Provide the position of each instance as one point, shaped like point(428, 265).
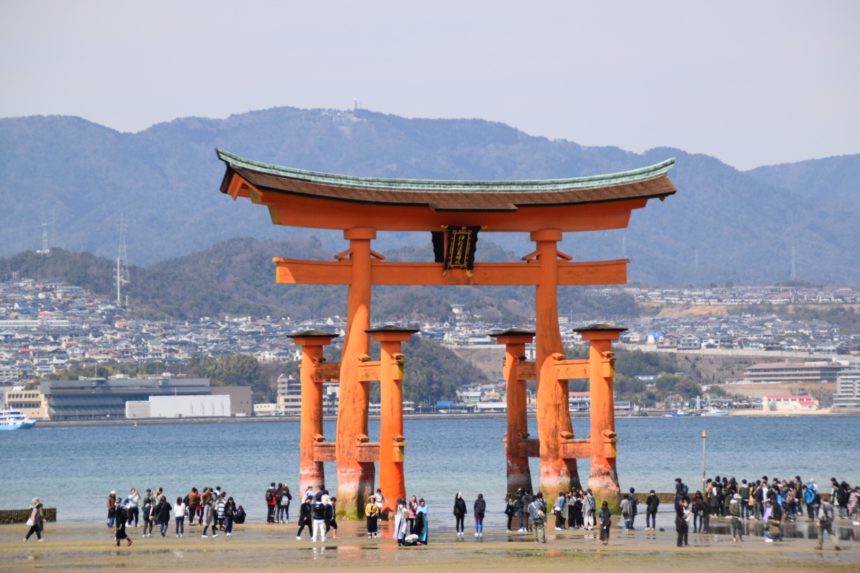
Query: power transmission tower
point(122, 276)
point(45, 250)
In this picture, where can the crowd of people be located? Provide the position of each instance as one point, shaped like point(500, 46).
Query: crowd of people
point(773, 502)
point(212, 508)
point(770, 501)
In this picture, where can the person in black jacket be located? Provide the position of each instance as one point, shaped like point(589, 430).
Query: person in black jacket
point(478, 510)
point(681, 525)
point(162, 514)
point(651, 505)
point(459, 514)
point(121, 518)
point(304, 517)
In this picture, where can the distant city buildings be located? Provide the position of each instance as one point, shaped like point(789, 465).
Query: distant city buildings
point(814, 372)
point(47, 327)
point(847, 396)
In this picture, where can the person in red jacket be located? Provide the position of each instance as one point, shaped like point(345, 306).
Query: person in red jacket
point(271, 503)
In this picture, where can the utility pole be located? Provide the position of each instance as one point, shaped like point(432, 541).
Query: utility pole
point(704, 460)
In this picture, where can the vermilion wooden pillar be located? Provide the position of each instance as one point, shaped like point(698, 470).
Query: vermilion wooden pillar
point(518, 472)
point(355, 477)
point(603, 480)
point(311, 473)
point(391, 440)
point(557, 473)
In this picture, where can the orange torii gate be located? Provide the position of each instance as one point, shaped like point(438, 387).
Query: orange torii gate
point(454, 211)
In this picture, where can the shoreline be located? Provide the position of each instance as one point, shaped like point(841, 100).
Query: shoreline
point(447, 416)
point(262, 547)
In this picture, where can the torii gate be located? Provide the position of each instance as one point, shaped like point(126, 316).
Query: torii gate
point(362, 206)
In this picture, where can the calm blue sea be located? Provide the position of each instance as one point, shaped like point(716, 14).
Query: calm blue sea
point(74, 468)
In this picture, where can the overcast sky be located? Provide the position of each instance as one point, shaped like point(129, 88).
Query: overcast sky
point(750, 82)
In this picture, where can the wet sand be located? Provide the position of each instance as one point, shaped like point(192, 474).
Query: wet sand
point(261, 547)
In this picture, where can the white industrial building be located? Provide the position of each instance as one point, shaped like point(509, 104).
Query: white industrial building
point(193, 406)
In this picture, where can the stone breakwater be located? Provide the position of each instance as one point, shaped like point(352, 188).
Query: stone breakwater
point(8, 516)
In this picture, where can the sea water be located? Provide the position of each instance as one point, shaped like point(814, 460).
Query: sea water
point(74, 468)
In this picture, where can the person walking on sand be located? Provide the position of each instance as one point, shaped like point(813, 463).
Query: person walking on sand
point(478, 510)
point(459, 515)
point(826, 514)
point(537, 515)
point(36, 520)
point(605, 523)
point(625, 510)
point(111, 507)
point(559, 510)
point(305, 510)
point(634, 508)
point(121, 519)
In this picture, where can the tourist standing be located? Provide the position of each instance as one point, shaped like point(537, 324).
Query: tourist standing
point(558, 510)
point(271, 502)
point(509, 511)
point(537, 515)
point(605, 523)
point(162, 515)
point(651, 505)
point(625, 510)
point(179, 516)
point(36, 520)
point(590, 507)
point(682, 526)
point(111, 508)
point(230, 512)
point(318, 513)
point(478, 510)
point(148, 515)
point(208, 503)
point(371, 513)
point(735, 513)
point(192, 500)
point(401, 525)
point(422, 517)
point(634, 507)
point(284, 498)
point(413, 508)
point(331, 517)
point(459, 514)
point(132, 505)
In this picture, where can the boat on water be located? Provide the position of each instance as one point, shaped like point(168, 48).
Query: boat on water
point(14, 420)
point(714, 412)
point(676, 414)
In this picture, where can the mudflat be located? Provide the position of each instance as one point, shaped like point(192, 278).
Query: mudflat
point(261, 547)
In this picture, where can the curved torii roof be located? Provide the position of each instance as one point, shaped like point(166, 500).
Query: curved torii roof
point(287, 189)
point(645, 182)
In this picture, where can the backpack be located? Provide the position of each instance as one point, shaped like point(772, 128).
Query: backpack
point(268, 495)
point(319, 510)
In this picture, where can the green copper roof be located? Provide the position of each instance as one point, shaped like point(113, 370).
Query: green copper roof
point(632, 176)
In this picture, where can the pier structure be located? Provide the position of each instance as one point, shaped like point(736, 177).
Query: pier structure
point(454, 212)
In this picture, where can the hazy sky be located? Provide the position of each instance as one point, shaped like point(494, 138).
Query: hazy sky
point(749, 82)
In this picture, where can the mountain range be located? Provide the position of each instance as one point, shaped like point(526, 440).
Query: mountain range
point(770, 224)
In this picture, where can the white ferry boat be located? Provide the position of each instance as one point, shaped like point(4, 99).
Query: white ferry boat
point(14, 420)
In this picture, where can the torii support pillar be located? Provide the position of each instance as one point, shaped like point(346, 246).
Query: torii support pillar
point(603, 480)
point(557, 473)
point(392, 444)
point(518, 472)
point(354, 476)
point(311, 473)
